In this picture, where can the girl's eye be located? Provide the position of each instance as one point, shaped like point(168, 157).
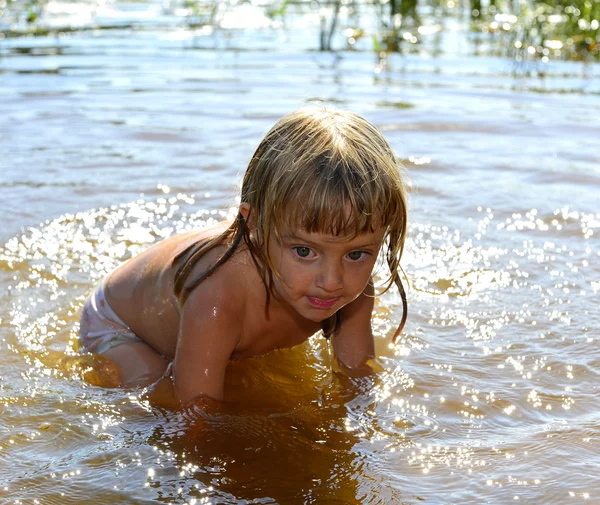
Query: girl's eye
point(356, 255)
point(302, 251)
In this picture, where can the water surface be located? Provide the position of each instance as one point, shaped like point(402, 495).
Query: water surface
point(111, 141)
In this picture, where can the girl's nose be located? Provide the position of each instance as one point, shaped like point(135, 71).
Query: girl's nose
point(331, 278)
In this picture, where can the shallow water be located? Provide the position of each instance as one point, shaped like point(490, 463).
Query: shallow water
point(111, 141)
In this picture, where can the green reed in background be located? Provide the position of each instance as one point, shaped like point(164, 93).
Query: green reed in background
point(521, 29)
point(565, 29)
point(29, 11)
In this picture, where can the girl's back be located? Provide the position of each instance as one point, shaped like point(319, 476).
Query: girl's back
point(141, 291)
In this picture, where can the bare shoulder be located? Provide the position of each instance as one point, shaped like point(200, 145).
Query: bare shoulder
point(230, 282)
point(224, 289)
point(235, 290)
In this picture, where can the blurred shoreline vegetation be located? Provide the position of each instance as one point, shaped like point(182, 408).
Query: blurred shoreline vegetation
point(518, 29)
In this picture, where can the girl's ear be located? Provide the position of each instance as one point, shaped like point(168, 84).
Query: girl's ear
point(247, 215)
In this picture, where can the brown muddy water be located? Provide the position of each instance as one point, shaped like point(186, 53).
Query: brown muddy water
point(110, 141)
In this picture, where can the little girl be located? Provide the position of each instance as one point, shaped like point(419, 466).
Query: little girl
point(321, 197)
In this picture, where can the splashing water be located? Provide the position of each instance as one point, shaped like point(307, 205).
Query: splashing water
point(492, 382)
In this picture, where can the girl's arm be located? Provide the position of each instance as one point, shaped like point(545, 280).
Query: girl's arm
point(353, 345)
point(209, 330)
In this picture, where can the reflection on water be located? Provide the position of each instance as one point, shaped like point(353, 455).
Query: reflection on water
point(493, 381)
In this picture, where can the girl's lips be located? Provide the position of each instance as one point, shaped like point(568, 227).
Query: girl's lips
point(323, 304)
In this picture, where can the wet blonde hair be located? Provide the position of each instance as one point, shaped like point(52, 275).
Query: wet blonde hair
point(321, 170)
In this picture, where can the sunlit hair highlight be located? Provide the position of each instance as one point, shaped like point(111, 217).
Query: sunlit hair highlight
point(323, 171)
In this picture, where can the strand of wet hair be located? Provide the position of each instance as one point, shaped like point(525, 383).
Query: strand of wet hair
point(181, 260)
point(188, 258)
point(254, 251)
point(400, 286)
point(331, 326)
point(183, 292)
point(394, 265)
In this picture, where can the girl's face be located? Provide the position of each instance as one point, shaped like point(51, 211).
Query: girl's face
point(320, 273)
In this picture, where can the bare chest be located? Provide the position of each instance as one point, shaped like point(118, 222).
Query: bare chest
point(274, 332)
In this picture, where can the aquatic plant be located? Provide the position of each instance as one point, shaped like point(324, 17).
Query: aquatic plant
point(275, 11)
point(26, 11)
point(398, 24)
point(200, 13)
point(541, 30)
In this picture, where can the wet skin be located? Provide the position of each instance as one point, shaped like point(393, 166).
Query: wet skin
point(225, 317)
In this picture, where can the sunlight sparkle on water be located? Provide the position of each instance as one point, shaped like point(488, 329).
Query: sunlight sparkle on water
point(492, 308)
